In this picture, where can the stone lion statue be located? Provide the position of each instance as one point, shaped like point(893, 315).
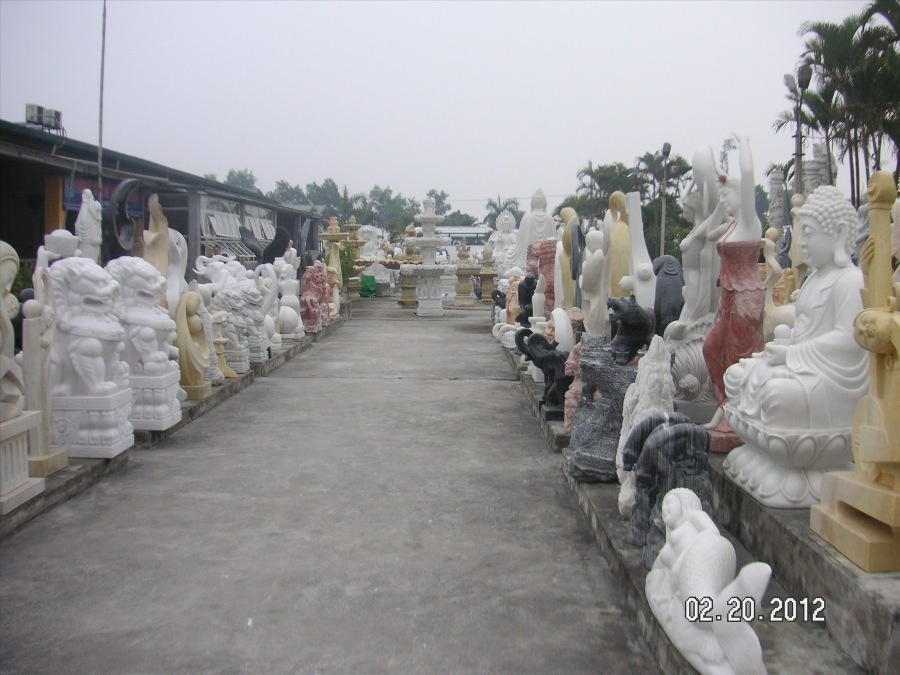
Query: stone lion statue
point(84, 359)
point(149, 332)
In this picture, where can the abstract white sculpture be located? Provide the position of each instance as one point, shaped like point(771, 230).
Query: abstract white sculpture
point(693, 592)
point(640, 265)
point(792, 404)
point(594, 282)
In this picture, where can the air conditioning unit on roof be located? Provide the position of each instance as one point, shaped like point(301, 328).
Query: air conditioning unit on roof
point(34, 114)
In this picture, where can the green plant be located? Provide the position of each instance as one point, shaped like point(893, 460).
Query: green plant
point(348, 263)
point(21, 282)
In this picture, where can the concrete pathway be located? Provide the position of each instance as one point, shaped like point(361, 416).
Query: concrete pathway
point(383, 503)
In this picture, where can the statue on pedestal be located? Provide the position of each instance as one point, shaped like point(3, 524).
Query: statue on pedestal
point(737, 332)
point(792, 403)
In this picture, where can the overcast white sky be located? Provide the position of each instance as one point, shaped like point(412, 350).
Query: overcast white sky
point(474, 98)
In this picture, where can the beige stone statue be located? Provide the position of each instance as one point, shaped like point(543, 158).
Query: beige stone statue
point(193, 348)
point(858, 512)
point(619, 258)
point(798, 264)
point(156, 239)
point(570, 221)
point(776, 313)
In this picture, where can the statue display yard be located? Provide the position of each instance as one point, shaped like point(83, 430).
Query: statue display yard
point(792, 403)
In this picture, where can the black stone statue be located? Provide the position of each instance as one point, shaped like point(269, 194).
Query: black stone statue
point(550, 361)
point(632, 328)
point(499, 298)
point(669, 297)
point(526, 289)
point(666, 451)
point(276, 247)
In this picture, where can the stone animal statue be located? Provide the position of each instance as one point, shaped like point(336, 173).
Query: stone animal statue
point(84, 359)
point(632, 327)
point(149, 332)
point(525, 290)
point(551, 362)
point(499, 298)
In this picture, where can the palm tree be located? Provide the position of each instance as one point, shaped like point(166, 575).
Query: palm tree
point(495, 208)
point(858, 60)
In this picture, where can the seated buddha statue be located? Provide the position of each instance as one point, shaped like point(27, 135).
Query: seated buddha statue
point(792, 403)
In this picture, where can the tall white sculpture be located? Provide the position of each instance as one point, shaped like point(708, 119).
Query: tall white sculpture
point(700, 266)
point(792, 404)
point(536, 225)
point(88, 228)
point(149, 343)
point(16, 487)
point(640, 265)
point(594, 282)
point(89, 383)
point(693, 592)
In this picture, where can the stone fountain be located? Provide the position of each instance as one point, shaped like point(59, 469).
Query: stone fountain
point(428, 290)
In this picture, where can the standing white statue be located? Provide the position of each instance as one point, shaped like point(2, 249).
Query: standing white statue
point(792, 404)
point(88, 227)
point(594, 282)
point(536, 225)
point(503, 239)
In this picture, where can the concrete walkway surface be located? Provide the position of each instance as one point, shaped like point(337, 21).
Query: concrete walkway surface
point(385, 502)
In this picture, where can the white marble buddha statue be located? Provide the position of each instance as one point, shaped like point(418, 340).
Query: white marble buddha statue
point(792, 404)
point(536, 225)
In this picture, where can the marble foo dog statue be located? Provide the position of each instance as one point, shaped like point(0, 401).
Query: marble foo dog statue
point(84, 360)
point(149, 332)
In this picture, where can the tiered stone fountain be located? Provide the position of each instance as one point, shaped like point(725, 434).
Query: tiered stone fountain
point(428, 290)
point(354, 242)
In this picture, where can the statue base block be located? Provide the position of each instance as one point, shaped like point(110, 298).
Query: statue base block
point(96, 427)
point(722, 438)
point(430, 308)
point(859, 518)
point(155, 405)
point(700, 413)
point(238, 360)
point(41, 466)
point(16, 486)
point(197, 392)
point(552, 413)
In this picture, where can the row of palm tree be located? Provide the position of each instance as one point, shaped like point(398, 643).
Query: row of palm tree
point(855, 104)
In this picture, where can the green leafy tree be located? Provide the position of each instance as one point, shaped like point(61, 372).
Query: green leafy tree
point(441, 203)
point(596, 184)
point(458, 219)
point(211, 176)
point(285, 193)
point(326, 196)
point(495, 208)
point(244, 178)
point(677, 227)
point(391, 212)
point(762, 206)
